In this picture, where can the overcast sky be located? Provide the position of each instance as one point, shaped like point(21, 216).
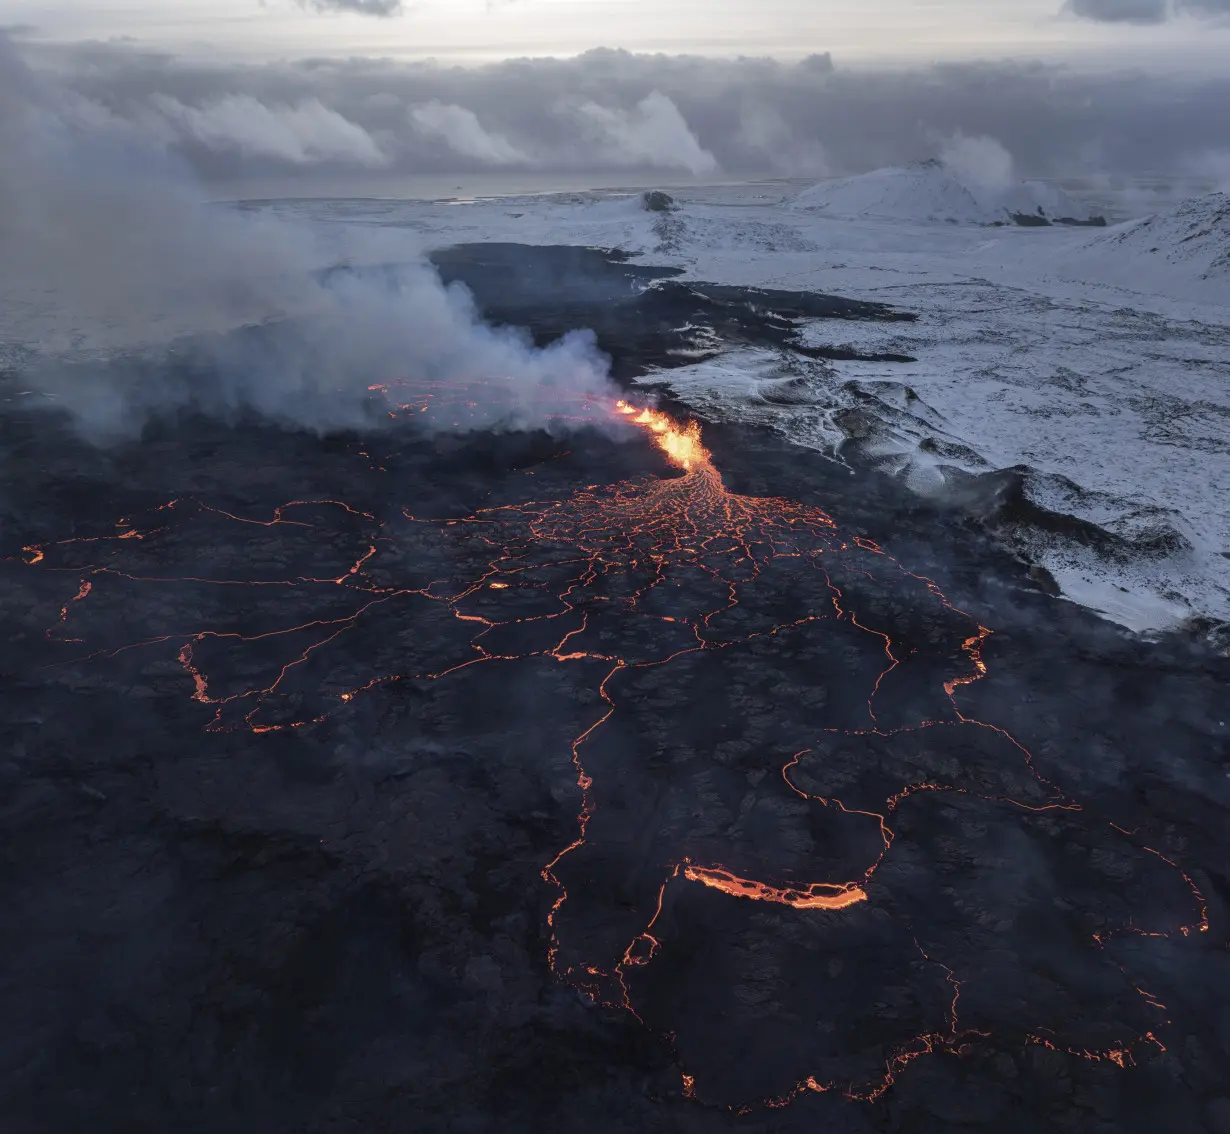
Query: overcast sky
point(691, 88)
point(866, 30)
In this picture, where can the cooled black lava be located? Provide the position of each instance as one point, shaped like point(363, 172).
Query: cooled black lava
point(429, 781)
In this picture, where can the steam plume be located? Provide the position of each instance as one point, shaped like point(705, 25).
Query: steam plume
point(108, 251)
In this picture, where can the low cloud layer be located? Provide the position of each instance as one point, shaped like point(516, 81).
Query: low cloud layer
point(382, 8)
point(1121, 11)
point(616, 111)
point(1146, 11)
point(304, 134)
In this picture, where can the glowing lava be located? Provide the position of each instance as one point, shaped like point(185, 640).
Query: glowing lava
point(607, 549)
point(817, 896)
point(681, 443)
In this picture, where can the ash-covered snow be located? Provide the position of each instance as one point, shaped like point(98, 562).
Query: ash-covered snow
point(1074, 387)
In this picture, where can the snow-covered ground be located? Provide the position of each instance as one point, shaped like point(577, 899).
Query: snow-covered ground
point(932, 191)
point(1095, 362)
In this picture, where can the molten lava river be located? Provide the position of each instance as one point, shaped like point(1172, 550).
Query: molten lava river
point(798, 858)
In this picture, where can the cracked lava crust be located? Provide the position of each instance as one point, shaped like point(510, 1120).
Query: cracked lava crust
point(800, 857)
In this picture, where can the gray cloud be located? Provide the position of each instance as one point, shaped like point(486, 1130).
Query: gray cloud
point(382, 8)
point(1122, 11)
point(1146, 11)
point(612, 110)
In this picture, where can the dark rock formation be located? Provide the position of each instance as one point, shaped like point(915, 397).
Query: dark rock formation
point(655, 201)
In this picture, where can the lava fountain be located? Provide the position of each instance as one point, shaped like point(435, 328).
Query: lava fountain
point(681, 443)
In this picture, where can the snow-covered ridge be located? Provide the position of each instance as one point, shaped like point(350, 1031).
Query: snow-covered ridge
point(1182, 254)
point(1196, 234)
point(931, 192)
point(1195, 237)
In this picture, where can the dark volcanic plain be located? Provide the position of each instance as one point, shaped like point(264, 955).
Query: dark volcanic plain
point(294, 773)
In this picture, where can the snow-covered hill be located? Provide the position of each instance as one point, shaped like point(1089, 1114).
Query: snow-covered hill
point(1196, 235)
point(930, 191)
point(1183, 252)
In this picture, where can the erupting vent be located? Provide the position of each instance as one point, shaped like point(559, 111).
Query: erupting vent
point(681, 443)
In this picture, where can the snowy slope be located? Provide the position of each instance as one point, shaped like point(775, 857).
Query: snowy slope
point(916, 193)
point(1183, 252)
point(930, 191)
point(1195, 237)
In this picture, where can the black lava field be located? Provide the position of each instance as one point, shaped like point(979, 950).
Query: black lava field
point(634, 774)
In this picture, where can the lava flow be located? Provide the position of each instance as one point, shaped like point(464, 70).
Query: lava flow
point(818, 896)
point(623, 581)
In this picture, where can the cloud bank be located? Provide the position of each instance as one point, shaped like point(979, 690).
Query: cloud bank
point(615, 111)
point(381, 8)
point(1146, 11)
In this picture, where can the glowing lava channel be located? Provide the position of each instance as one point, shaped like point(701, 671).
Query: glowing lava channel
point(818, 896)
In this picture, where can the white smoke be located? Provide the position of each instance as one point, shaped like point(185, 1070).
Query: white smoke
point(654, 134)
point(1213, 165)
point(464, 134)
point(979, 162)
point(302, 134)
point(107, 248)
point(763, 130)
